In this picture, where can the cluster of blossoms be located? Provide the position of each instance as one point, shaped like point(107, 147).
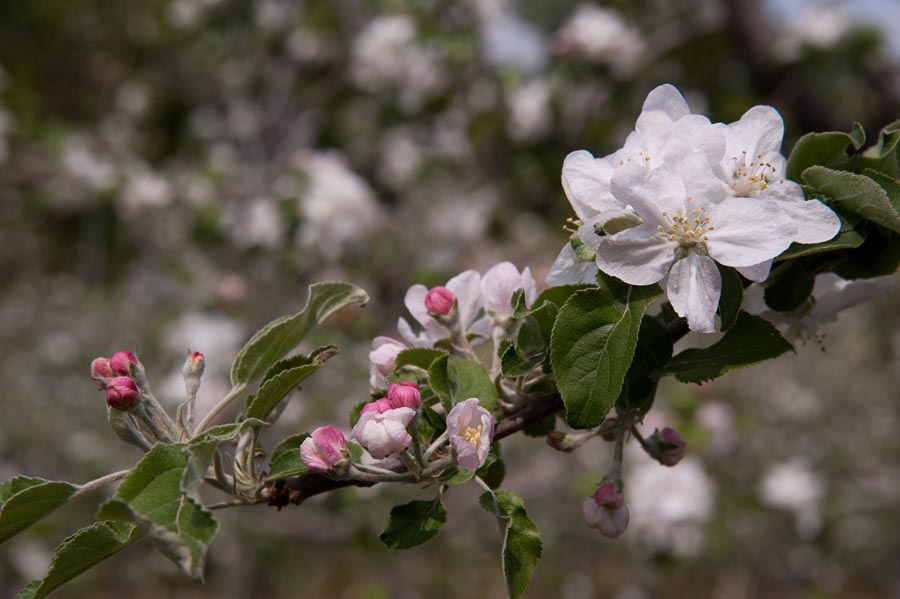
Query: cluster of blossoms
point(469, 309)
point(682, 195)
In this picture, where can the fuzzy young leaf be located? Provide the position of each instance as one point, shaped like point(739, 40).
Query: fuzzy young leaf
point(751, 340)
point(592, 346)
point(828, 148)
point(288, 444)
point(151, 497)
point(882, 156)
point(455, 380)
point(413, 523)
point(277, 388)
point(279, 337)
point(420, 357)
point(521, 540)
point(854, 193)
point(81, 551)
point(25, 500)
point(286, 464)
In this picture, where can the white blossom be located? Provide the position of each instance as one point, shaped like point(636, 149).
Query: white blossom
point(830, 296)
point(689, 224)
point(795, 487)
point(499, 284)
point(600, 34)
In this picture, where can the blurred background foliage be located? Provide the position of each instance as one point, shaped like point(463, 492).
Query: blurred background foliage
point(173, 173)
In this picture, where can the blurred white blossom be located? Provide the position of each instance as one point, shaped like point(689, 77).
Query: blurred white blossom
point(386, 55)
point(793, 486)
point(509, 41)
point(257, 223)
point(670, 506)
point(600, 34)
point(337, 206)
point(87, 166)
point(529, 107)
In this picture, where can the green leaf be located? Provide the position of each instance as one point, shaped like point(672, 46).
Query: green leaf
point(522, 545)
point(751, 340)
point(878, 256)
point(413, 524)
point(454, 380)
point(518, 305)
point(151, 497)
point(654, 348)
point(890, 186)
point(286, 464)
point(288, 444)
point(592, 346)
point(282, 335)
point(732, 296)
point(826, 149)
point(854, 193)
point(81, 551)
point(25, 500)
point(883, 155)
point(420, 357)
point(852, 235)
point(790, 288)
point(320, 355)
point(275, 389)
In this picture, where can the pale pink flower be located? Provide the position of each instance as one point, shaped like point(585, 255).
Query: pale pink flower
point(324, 449)
point(382, 360)
point(381, 430)
point(606, 510)
point(471, 429)
point(500, 282)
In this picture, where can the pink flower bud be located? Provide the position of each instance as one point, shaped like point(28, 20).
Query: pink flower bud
point(101, 369)
point(379, 406)
point(610, 522)
point(121, 392)
point(194, 364)
point(324, 449)
point(121, 362)
point(404, 395)
point(609, 496)
point(671, 447)
point(471, 430)
point(439, 301)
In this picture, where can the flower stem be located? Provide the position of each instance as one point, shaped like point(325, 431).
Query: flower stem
point(100, 482)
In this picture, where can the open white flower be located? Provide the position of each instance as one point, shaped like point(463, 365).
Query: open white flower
point(753, 167)
point(498, 285)
point(689, 224)
point(466, 286)
point(665, 133)
point(382, 359)
point(830, 296)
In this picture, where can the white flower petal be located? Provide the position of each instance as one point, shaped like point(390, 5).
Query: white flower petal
point(638, 256)
point(694, 287)
point(756, 273)
point(414, 300)
point(567, 270)
point(650, 193)
point(467, 288)
point(668, 99)
point(759, 131)
point(748, 231)
point(585, 180)
point(500, 282)
point(816, 222)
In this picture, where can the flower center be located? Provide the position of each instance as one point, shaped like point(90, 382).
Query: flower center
point(751, 177)
point(687, 230)
point(472, 435)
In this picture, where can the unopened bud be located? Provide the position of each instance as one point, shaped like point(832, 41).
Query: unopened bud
point(609, 496)
point(379, 406)
point(324, 449)
point(439, 301)
point(101, 370)
point(121, 392)
point(670, 447)
point(192, 371)
point(121, 362)
point(404, 395)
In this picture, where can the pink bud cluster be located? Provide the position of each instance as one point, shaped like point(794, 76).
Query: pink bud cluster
point(114, 374)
